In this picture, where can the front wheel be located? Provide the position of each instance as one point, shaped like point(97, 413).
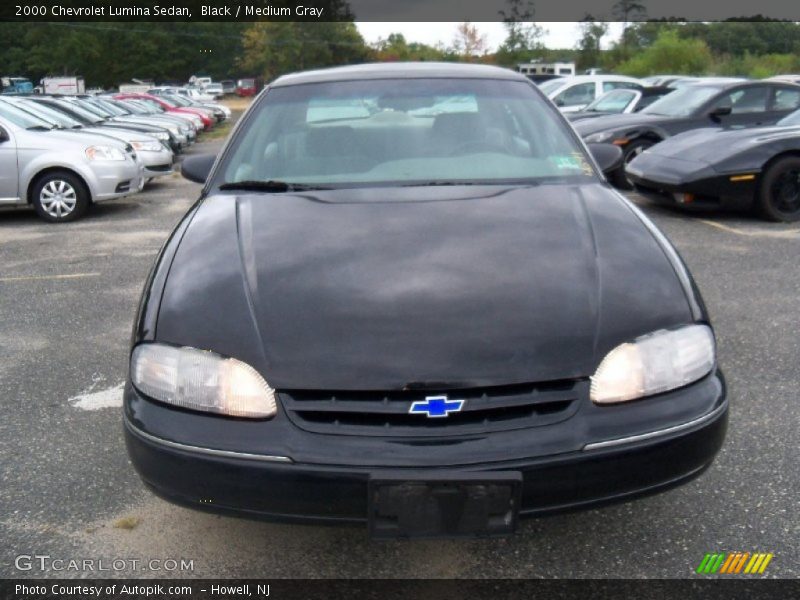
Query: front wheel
point(631, 151)
point(59, 196)
point(778, 196)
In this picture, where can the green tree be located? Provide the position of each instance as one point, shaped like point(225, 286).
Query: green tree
point(273, 48)
point(589, 44)
point(670, 54)
point(523, 36)
point(396, 48)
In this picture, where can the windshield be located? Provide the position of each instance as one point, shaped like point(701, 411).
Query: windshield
point(683, 101)
point(80, 112)
point(550, 86)
point(45, 112)
point(177, 100)
point(612, 102)
point(23, 119)
point(112, 106)
point(90, 108)
point(385, 132)
point(92, 104)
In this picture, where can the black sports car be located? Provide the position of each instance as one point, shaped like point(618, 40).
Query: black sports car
point(746, 168)
point(698, 106)
point(407, 297)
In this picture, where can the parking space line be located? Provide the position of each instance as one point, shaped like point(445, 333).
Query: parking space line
point(47, 277)
point(785, 233)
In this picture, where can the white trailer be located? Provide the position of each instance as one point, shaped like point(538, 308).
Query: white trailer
point(64, 85)
point(134, 88)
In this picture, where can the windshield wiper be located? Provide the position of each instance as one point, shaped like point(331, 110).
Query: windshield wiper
point(39, 128)
point(437, 183)
point(270, 186)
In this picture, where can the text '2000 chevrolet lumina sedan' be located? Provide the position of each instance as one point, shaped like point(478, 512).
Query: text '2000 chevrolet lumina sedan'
point(408, 298)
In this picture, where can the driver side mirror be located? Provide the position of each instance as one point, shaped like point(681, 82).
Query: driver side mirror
point(197, 168)
point(720, 111)
point(607, 156)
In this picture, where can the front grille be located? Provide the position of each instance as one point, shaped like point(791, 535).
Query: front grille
point(163, 168)
point(369, 413)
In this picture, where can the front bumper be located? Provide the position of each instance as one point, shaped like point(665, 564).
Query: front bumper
point(278, 486)
point(157, 164)
point(115, 179)
point(666, 180)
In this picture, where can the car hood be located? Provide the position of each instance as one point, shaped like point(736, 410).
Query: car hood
point(620, 122)
point(714, 144)
point(428, 288)
point(72, 139)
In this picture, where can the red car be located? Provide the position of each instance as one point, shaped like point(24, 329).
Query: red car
point(208, 122)
point(246, 87)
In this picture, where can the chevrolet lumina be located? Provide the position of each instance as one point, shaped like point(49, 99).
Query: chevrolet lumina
point(408, 298)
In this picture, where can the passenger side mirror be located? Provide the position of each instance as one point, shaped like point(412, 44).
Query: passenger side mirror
point(197, 168)
point(607, 156)
point(720, 111)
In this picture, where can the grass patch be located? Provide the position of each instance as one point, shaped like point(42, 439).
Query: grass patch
point(221, 131)
point(236, 103)
point(126, 523)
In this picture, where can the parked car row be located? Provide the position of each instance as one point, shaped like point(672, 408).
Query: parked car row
point(695, 142)
point(60, 154)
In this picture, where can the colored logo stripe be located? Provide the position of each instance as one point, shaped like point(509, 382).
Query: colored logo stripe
point(734, 563)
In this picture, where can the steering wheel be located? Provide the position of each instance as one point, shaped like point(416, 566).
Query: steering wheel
point(478, 146)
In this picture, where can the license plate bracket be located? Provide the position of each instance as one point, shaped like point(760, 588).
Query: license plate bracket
point(444, 505)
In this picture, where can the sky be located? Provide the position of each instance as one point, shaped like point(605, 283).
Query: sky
point(559, 35)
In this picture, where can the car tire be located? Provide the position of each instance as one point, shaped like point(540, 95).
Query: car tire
point(778, 197)
point(59, 197)
point(631, 151)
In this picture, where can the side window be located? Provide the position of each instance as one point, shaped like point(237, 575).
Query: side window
point(748, 100)
point(786, 99)
point(577, 95)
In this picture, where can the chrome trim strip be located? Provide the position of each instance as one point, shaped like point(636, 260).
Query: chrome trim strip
point(209, 451)
point(653, 434)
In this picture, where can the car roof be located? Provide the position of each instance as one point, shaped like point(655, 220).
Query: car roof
point(399, 70)
point(569, 80)
point(724, 84)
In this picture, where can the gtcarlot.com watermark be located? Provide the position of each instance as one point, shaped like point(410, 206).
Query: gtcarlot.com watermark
point(45, 562)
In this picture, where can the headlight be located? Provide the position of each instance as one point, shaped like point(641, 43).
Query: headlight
point(654, 363)
point(200, 380)
point(598, 138)
point(161, 135)
point(104, 153)
point(153, 146)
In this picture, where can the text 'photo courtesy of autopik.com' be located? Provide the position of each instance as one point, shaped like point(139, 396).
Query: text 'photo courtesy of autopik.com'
point(381, 299)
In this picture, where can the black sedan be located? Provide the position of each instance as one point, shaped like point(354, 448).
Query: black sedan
point(408, 298)
point(702, 105)
point(741, 169)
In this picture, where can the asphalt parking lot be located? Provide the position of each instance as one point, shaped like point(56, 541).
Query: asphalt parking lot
point(68, 295)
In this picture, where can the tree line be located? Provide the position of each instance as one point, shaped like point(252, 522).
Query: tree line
point(106, 54)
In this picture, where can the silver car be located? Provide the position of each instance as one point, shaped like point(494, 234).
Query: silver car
point(156, 158)
point(58, 173)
